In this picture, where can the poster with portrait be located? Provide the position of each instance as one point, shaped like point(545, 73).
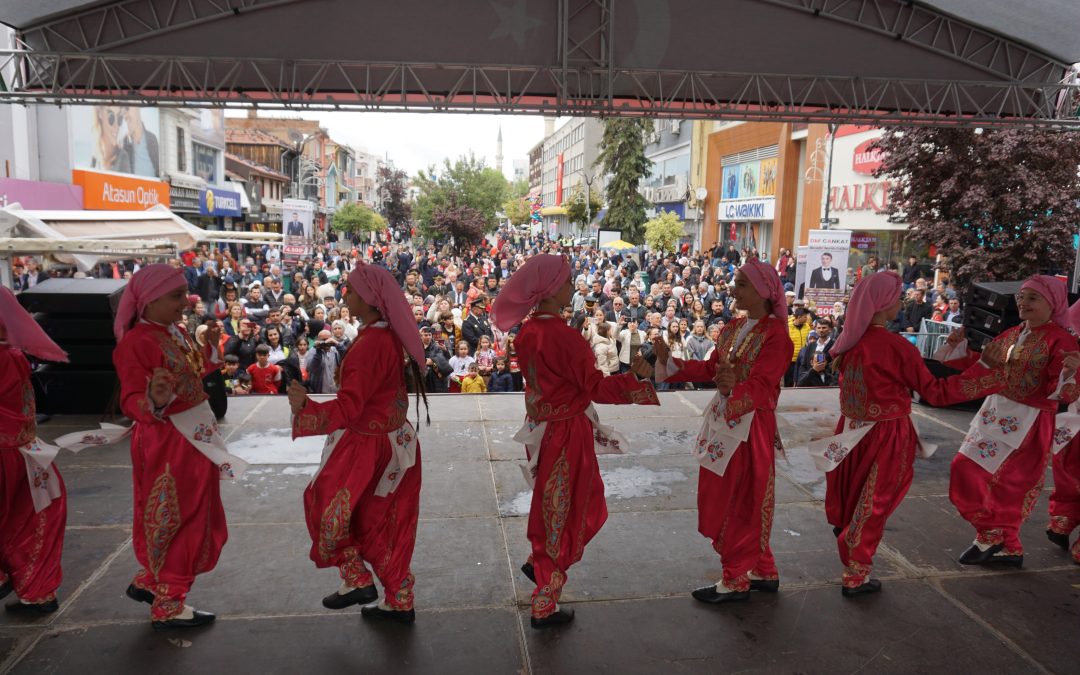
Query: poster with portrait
point(117, 138)
point(748, 179)
point(298, 216)
point(731, 182)
point(767, 178)
point(822, 280)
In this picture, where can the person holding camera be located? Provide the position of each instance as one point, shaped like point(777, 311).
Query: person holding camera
point(321, 363)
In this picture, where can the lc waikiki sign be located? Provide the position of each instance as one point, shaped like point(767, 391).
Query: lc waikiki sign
point(115, 192)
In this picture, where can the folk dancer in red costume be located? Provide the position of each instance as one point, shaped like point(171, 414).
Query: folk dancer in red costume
point(363, 504)
point(178, 457)
point(737, 443)
point(998, 474)
point(33, 502)
point(1065, 499)
point(561, 428)
point(870, 461)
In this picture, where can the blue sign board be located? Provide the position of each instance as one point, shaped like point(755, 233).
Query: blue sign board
point(214, 202)
point(678, 208)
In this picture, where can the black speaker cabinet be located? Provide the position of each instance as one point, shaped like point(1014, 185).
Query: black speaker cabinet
point(995, 296)
point(68, 390)
point(987, 321)
point(94, 297)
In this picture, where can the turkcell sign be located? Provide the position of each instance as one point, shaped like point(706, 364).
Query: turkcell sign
point(763, 208)
point(214, 202)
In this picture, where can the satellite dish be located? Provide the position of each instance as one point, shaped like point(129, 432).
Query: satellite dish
point(701, 193)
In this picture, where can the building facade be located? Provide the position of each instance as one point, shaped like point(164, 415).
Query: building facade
point(568, 157)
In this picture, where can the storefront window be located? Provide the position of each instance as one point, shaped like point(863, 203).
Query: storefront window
point(205, 162)
point(888, 245)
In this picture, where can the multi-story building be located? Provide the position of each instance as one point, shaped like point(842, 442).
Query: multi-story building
point(668, 186)
point(521, 170)
point(568, 156)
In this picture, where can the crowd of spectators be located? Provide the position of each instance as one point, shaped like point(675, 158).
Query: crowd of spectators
point(284, 320)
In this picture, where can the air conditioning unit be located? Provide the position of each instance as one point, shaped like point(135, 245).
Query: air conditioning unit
point(676, 126)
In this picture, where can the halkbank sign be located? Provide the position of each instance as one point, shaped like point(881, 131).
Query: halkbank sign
point(762, 208)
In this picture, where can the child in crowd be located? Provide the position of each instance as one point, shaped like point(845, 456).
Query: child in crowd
point(243, 384)
point(485, 357)
point(473, 382)
point(265, 376)
point(301, 351)
point(460, 363)
point(501, 379)
point(231, 372)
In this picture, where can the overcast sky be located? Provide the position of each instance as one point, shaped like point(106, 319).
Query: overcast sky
point(416, 140)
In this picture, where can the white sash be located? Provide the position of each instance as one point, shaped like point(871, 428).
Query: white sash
point(830, 451)
point(719, 438)
point(997, 430)
point(531, 433)
point(403, 444)
point(1066, 426)
point(39, 457)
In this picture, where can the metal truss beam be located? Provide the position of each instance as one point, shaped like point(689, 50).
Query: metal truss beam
point(934, 31)
point(586, 37)
point(40, 77)
point(116, 24)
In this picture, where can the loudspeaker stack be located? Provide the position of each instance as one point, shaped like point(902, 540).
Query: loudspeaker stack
point(78, 315)
point(989, 309)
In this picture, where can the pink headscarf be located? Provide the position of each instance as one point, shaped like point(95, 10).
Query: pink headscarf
point(767, 283)
point(379, 289)
point(874, 293)
point(146, 285)
point(537, 279)
point(1052, 290)
point(23, 333)
point(1074, 318)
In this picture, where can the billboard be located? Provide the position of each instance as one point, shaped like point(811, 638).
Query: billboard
point(748, 191)
point(298, 216)
point(117, 138)
point(821, 275)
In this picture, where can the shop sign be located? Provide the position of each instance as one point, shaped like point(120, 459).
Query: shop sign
point(864, 160)
point(863, 241)
point(184, 199)
point(216, 202)
point(748, 209)
point(678, 208)
point(872, 196)
point(115, 192)
point(33, 195)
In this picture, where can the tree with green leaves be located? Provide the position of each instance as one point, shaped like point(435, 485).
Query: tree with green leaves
point(580, 213)
point(999, 203)
point(622, 156)
point(469, 182)
point(395, 198)
point(353, 217)
point(663, 232)
point(517, 210)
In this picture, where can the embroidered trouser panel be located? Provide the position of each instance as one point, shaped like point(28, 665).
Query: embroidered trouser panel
point(179, 526)
point(568, 507)
point(998, 504)
point(735, 511)
point(864, 490)
point(30, 543)
point(349, 525)
point(1065, 499)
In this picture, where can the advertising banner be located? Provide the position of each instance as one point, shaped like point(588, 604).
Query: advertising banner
point(823, 277)
point(748, 191)
point(220, 203)
point(299, 214)
point(122, 139)
point(113, 192)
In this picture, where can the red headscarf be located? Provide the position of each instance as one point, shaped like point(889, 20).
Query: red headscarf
point(379, 289)
point(23, 333)
point(871, 295)
point(537, 279)
point(1052, 290)
point(146, 285)
point(767, 283)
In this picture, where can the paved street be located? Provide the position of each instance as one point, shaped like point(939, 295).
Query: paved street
point(630, 592)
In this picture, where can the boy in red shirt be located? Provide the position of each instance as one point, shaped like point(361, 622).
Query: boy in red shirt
point(264, 376)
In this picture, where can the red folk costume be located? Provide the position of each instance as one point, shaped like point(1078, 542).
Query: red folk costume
point(364, 502)
point(33, 501)
point(998, 474)
point(738, 439)
point(561, 430)
point(1065, 499)
point(177, 455)
point(871, 458)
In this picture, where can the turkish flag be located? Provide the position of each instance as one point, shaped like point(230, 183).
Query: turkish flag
point(734, 236)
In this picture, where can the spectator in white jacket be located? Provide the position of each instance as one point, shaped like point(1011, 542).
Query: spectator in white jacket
point(603, 345)
point(630, 340)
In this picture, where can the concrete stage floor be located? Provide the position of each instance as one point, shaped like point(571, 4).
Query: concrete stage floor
point(631, 590)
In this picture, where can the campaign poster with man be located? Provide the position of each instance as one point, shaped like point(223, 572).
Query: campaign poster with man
point(297, 218)
point(821, 276)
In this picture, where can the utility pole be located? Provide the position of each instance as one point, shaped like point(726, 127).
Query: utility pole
point(828, 175)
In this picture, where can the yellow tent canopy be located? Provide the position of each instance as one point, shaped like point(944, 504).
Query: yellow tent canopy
point(619, 244)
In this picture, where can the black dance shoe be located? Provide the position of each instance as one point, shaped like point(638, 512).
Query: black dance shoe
point(712, 596)
point(836, 532)
point(869, 586)
point(139, 594)
point(527, 570)
point(1016, 561)
point(357, 596)
point(560, 617)
point(1061, 540)
point(376, 612)
point(5, 588)
point(764, 585)
point(19, 607)
point(198, 619)
point(976, 556)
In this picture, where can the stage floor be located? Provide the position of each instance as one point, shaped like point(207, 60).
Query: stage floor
point(630, 592)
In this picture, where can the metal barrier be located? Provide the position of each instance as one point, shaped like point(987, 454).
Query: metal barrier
point(931, 335)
